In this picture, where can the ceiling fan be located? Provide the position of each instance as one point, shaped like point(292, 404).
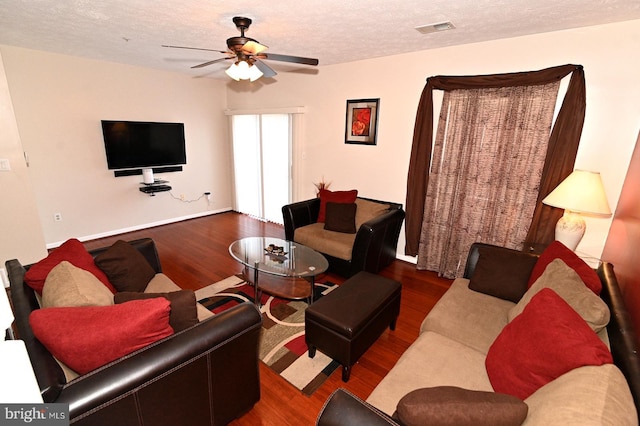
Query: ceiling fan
point(248, 55)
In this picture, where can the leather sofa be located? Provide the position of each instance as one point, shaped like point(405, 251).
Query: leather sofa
point(206, 374)
point(451, 349)
point(373, 248)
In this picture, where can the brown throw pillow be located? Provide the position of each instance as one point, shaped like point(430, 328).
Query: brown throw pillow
point(183, 314)
point(341, 217)
point(502, 273)
point(126, 267)
point(450, 405)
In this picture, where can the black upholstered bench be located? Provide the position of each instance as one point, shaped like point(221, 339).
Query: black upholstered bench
point(347, 321)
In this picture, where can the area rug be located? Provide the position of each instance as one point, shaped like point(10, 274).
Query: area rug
point(282, 345)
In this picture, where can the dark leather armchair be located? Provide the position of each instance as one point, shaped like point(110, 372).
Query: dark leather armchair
point(376, 240)
point(206, 374)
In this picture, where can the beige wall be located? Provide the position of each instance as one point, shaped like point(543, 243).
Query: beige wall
point(18, 206)
point(59, 101)
point(608, 54)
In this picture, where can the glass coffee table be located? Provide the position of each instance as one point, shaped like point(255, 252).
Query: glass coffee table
point(292, 265)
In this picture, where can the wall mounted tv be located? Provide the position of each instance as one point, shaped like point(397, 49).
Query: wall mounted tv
point(138, 145)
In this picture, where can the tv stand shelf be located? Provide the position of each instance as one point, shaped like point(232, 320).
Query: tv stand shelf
point(157, 186)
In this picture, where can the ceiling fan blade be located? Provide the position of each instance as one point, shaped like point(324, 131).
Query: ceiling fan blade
point(267, 71)
point(206, 64)
point(252, 47)
point(196, 48)
point(287, 58)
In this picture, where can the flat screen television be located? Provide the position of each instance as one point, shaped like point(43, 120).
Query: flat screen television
point(136, 144)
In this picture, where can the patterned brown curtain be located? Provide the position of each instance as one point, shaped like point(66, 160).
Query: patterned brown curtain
point(560, 155)
point(487, 163)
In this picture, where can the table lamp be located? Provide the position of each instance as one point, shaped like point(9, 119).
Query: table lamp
point(580, 193)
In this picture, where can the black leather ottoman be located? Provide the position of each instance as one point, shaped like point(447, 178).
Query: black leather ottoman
point(346, 322)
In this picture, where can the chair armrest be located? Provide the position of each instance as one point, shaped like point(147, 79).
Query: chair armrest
point(299, 214)
point(173, 354)
point(344, 408)
point(48, 372)
point(376, 241)
point(622, 335)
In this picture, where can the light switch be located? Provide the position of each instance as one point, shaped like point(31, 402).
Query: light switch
point(5, 166)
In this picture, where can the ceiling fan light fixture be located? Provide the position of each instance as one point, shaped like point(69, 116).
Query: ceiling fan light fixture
point(234, 72)
point(254, 73)
point(242, 70)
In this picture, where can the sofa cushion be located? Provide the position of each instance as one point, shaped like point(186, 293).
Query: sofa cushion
point(545, 341)
point(85, 338)
point(557, 250)
point(567, 284)
point(341, 217)
point(466, 316)
point(454, 406)
point(368, 210)
point(74, 252)
point(335, 197)
point(591, 395)
point(68, 286)
point(336, 244)
point(125, 266)
point(502, 273)
point(432, 360)
point(183, 306)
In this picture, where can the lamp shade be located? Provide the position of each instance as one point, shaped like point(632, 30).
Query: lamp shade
point(581, 192)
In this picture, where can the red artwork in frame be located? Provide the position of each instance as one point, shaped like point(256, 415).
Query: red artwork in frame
point(362, 121)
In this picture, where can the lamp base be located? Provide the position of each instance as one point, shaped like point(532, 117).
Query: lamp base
point(570, 229)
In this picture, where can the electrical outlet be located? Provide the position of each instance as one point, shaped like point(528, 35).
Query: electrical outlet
point(57, 217)
point(208, 195)
point(5, 166)
point(182, 197)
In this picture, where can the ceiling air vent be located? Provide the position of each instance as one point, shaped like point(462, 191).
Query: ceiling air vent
point(433, 28)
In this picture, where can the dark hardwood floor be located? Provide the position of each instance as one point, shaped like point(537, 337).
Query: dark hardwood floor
point(194, 253)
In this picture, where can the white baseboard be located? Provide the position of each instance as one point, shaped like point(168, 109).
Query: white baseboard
point(139, 227)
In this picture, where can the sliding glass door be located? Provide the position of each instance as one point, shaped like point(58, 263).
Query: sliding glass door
point(262, 164)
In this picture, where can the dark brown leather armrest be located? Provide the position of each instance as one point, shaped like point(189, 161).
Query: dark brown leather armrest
point(622, 336)
point(173, 353)
point(344, 408)
point(299, 214)
point(376, 241)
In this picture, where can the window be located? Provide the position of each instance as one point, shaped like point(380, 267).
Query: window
point(262, 164)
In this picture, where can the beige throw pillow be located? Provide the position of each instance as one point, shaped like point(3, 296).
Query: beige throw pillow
point(367, 210)
point(69, 286)
point(567, 284)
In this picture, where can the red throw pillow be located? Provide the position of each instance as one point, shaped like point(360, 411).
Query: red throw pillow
point(547, 340)
point(88, 337)
point(557, 250)
point(184, 312)
point(334, 197)
point(74, 252)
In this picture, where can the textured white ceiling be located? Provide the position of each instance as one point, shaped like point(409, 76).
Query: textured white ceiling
point(334, 31)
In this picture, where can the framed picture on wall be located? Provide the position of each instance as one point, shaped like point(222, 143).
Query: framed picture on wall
point(362, 121)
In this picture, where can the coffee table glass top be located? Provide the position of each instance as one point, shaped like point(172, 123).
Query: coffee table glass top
point(264, 254)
